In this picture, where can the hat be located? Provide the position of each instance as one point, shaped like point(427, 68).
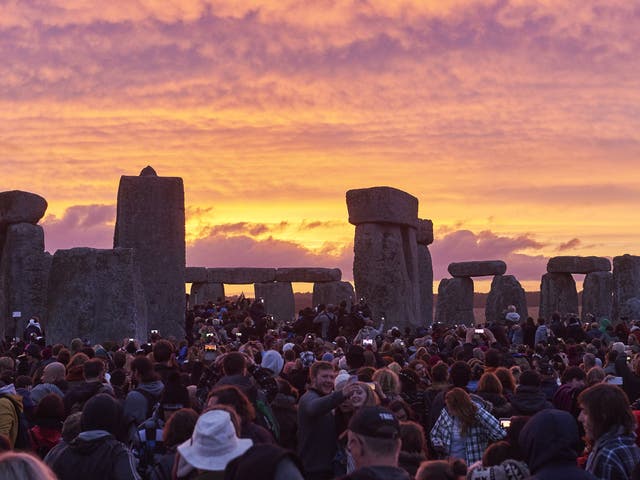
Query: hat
point(273, 361)
point(101, 353)
point(327, 357)
point(618, 346)
point(102, 412)
point(307, 358)
point(214, 442)
point(287, 346)
point(342, 377)
point(377, 422)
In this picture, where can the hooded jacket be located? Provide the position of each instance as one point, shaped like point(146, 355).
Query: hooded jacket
point(8, 418)
point(529, 400)
point(135, 404)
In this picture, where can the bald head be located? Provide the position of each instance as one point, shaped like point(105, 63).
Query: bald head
point(53, 372)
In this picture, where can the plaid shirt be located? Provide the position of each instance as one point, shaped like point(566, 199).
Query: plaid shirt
point(485, 429)
point(614, 456)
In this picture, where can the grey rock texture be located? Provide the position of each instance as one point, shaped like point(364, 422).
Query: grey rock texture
point(631, 309)
point(21, 207)
point(626, 282)
point(240, 276)
point(98, 295)
point(558, 294)
point(24, 273)
point(424, 236)
point(309, 274)
point(455, 301)
point(505, 290)
point(278, 299)
point(597, 295)
point(477, 268)
point(382, 205)
point(385, 270)
point(150, 219)
point(201, 293)
point(569, 264)
point(333, 293)
point(425, 274)
point(195, 275)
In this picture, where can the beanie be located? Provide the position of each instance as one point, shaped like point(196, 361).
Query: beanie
point(273, 361)
point(102, 412)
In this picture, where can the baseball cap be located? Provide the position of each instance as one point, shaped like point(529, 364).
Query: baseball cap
point(377, 422)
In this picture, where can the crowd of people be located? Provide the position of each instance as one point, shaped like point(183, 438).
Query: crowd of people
point(333, 394)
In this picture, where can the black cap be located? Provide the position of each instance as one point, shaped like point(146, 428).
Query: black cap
point(375, 422)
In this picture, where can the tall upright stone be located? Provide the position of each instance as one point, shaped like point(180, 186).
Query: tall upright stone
point(455, 301)
point(151, 220)
point(278, 299)
point(597, 295)
point(505, 290)
point(201, 293)
point(626, 283)
point(97, 295)
point(558, 294)
point(333, 293)
point(424, 238)
point(385, 264)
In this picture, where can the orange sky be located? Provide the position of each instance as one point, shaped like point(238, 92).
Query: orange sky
point(516, 124)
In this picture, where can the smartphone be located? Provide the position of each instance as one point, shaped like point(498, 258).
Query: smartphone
point(505, 422)
point(154, 331)
point(367, 341)
point(210, 348)
point(479, 330)
point(615, 381)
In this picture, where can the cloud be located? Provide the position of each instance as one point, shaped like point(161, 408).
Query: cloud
point(571, 244)
point(80, 226)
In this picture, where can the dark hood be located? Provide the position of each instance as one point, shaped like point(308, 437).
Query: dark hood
point(529, 400)
point(88, 442)
point(550, 436)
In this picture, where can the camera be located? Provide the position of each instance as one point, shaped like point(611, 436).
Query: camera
point(505, 422)
point(367, 341)
point(479, 331)
point(210, 348)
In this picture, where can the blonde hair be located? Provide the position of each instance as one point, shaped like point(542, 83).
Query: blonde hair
point(23, 466)
point(388, 380)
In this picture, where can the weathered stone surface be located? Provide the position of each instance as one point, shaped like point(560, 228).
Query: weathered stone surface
point(455, 301)
point(505, 290)
point(477, 269)
point(278, 299)
point(626, 282)
point(424, 236)
point(333, 293)
point(21, 207)
point(24, 273)
point(425, 274)
point(201, 293)
point(241, 276)
point(150, 219)
point(597, 294)
point(195, 275)
point(558, 294)
point(569, 264)
point(631, 309)
point(98, 295)
point(310, 275)
point(382, 205)
point(385, 270)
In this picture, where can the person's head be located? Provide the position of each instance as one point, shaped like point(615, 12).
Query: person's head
point(402, 410)
point(234, 363)
point(460, 374)
point(53, 372)
point(23, 466)
point(492, 358)
point(460, 406)
point(388, 380)
point(179, 427)
point(234, 398)
point(101, 412)
point(373, 437)
point(440, 373)
point(604, 407)
point(50, 411)
point(143, 370)
point(362, 396)
point(162, 351)
point(489, 383)
point(412, 437)
point(442, 470)
point(496, 453)
point(322, 376)
point(506, 378)
point(93, 369)
point(7, 364)
point(530, 378)
point(574, 376)
point(595, 375)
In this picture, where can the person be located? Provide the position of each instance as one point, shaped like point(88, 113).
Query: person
point(464, 429)
point(413, 450)
point(317, 437)
point(52, 374)
point(512, 315)
point(548, 441)
point(48, 418)
point(609, 426)
point(76, 397)
point(32, 330)
point(529, 398)
point(442, 470)
point(23, 466)
point(272, 461)
point(373, 438)
point(542, 333)
point(177, 430)
point(139, 403)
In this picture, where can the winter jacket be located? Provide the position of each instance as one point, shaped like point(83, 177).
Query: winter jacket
point(529, 400)
point(136, 406)
point(378, 473)
point(8, 418)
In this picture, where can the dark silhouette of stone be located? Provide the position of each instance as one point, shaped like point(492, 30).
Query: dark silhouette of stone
point(424, 235)
point(278, 299)
point(195, 275)
point(308, 274)
point(21, 207)
point(425, 275)
point(333, 293)
point(382, 205)
point(571, 264)
point(626, 283)
point(150, 219)
point(201, 293)
point(478, 268)
point(597, 295)
point(97, 295)
point(455, 301)
point(240, 276)
point(24, 273)
point(505, 290)
point(558, 294)
point(148, 171)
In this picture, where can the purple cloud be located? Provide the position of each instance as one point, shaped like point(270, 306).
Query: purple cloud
point(80, 226)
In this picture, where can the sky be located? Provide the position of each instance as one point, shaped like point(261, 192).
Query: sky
point(516, 123)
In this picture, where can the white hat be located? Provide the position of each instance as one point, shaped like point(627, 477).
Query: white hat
point(214, 442)
point(287, 347)
point(341, 379)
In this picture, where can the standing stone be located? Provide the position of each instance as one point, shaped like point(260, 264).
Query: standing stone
point(24, 273)
point(424, 235)
point(201, 293)
point(455, 301)
point(631, 309)
point(97, 295)
point(150, 219)
point(505, 291)
point(626, 282)
point(333, 293)
point(558, 294)
point(425, 275)
point(21, 207)
point(278, 299)
point(597, 295)
point(385, 264)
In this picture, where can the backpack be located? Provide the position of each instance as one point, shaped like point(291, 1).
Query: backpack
point(266, 418)
point(23, 441)
point(149, 447)
point(152, 401)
